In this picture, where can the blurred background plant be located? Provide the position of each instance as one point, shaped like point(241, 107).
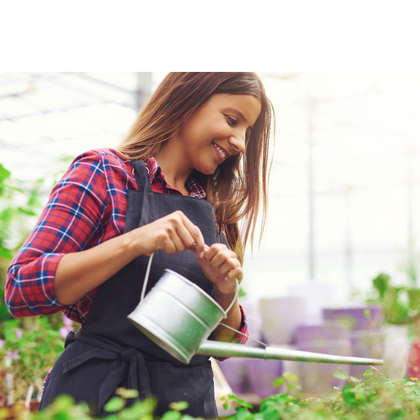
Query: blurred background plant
point(400, 302)
point(28, 346)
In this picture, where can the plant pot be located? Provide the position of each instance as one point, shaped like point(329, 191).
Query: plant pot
point(327, 330)
point(280, 317)
point(235, 372)
point(328, 338)
point(396, 351)
point(366, 343)
point(261, 375)
point(355, 316)
point(413, 364)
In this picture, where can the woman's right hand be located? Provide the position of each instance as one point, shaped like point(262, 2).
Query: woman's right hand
point(80, 272)
point(172, 233)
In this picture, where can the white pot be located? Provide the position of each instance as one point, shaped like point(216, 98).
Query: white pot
point(396, 351)
point(280, 317)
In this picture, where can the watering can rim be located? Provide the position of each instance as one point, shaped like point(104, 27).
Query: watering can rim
point(196, 287)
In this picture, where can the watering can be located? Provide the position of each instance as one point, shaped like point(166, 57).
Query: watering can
point(179, 316)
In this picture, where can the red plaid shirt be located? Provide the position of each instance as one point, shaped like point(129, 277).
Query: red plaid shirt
point(86, 207)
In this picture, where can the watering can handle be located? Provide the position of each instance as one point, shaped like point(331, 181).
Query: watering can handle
point(234, 299)
point(146, 279)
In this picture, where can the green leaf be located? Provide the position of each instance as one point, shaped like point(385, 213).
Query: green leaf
point(171, 415)
point(243, 414)
point(353, 379)
point(397, 414)
point(241, 402)
point(348, 395)
point(369, 372)
point(179, 406)
point(4, 413)
point(187, 417)
point(114, 404)
point(340, 375)
point(4, 173)
point(5, 253)
point(127, 393)
point(279, 381)
point(381, 283)
point(28, 212)
point(63, 403)
point(290, 376)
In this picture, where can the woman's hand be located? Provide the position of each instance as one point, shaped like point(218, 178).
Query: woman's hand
point(221, 266)
point(172, 233)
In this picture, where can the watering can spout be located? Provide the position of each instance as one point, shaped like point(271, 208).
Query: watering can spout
point(219, 349)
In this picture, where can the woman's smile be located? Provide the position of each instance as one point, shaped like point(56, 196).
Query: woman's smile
point(221, 153)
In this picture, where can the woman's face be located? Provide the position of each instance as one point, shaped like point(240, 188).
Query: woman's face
point(217, 130)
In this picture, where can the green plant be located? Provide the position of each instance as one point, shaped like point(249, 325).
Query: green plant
point(401, 304)
point(20, 204)
point(376, 398)
point(29, 350)
point(30, 346)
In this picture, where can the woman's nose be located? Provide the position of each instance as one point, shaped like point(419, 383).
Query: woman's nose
point(237, 142)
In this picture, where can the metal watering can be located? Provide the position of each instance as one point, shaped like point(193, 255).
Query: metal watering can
point(179, 316)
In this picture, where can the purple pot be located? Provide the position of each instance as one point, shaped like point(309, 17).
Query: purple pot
point(261, 375)
point(326, 338)
point(355, 317)
point(324, 331)
point(235, 371)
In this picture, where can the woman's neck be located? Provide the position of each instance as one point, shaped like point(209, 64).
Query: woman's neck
point(173, 165)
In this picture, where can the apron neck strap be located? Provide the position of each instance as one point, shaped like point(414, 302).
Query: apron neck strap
point(142, 176)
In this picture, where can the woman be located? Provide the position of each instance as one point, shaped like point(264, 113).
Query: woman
point(193, 165)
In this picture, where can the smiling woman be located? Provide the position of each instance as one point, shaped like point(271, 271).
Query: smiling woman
point(216, 131)
point(194, 164)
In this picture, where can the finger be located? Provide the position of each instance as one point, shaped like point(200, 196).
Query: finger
point(197, 236)
point(220, 257)
point(214, 250)
point(229, 265)
point(184, 236)
point(236, 273)
point(181, 239)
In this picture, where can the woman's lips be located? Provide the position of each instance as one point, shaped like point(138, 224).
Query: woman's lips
point(221, 153)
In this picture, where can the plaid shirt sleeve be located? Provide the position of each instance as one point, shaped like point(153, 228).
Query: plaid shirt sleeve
point(71, 218)
point(242, 338)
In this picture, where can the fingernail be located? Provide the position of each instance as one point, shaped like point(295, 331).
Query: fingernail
point(202, 255)
point(226, 278)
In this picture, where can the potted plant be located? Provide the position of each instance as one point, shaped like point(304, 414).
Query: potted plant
point(29, 349)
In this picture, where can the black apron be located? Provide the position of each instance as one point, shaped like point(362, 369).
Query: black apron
point(109, 352)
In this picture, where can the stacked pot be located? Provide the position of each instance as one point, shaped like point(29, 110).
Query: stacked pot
point(364, 324)
point(252, 375)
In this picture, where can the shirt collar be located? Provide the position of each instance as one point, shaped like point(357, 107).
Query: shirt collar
point(155, 173)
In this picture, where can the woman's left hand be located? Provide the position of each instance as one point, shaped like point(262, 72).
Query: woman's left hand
point(221, 266)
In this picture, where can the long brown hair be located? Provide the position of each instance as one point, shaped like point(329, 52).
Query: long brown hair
point(238, 187)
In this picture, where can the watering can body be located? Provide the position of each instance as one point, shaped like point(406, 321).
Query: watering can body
point(179, 316)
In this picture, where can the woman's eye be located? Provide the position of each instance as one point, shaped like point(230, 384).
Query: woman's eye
point(231, 120)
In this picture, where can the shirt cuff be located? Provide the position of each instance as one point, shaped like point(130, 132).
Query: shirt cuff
point(239, 338)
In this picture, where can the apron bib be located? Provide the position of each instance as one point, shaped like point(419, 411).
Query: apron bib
point(109, 352)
